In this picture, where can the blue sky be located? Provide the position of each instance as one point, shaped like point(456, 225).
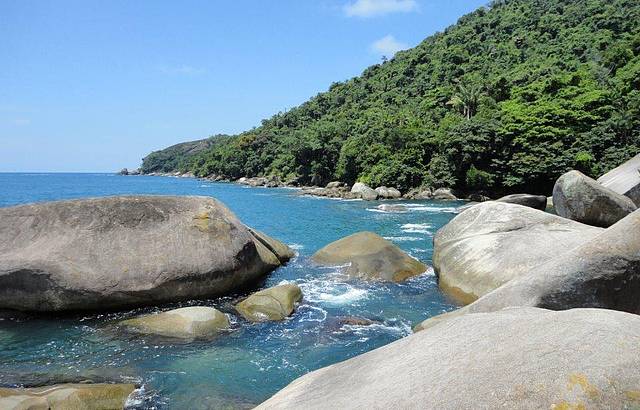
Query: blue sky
point(96, 85)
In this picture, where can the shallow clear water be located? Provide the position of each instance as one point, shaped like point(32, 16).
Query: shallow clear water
point(247, 366)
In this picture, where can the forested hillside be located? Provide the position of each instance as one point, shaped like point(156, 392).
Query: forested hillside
point(507, 99)
point(176, 156)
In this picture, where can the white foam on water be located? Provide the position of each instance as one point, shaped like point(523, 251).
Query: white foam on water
point(403, 238)
point(416, 228)
point(296, 246)
point(326, 291)
point(380, 211)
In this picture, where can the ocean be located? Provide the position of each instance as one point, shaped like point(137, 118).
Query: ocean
point(248, 365)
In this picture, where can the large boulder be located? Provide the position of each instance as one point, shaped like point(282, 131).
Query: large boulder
point(492, 243)
point(532, 201)
point(185, 323)
point(274, 303)
point(604, 272)
point(370, 256)
point(125, 251)
point(624, 179)
point(67, 396)
point(388, 193)
point(578, 197)
point(524, 358)
point(364, 191)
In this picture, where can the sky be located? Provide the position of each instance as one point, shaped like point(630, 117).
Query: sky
point(94, 86)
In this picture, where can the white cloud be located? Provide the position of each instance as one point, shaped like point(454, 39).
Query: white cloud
point(372, 8)
point(388, 46)
point(181, 70)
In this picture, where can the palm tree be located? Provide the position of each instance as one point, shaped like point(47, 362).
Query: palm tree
point(467, 99)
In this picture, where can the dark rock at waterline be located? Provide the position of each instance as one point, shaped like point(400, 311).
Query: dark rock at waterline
point(524, 358)
point(370, 257)
point(444, 194)
point(67, 396)
point(603, 272)
point(274, 303)
point(625, 179)
point(388, 193)
point(578, 197)
point(493, 242)
point(419, 193)
point(114, 252)
point(532, 201)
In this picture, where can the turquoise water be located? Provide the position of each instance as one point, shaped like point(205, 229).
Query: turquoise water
point(245, 367)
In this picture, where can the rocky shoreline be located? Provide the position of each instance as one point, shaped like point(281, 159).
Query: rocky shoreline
point(551, 302)
point(551, 317)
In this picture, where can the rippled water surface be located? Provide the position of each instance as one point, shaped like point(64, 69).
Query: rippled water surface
point(248, 365)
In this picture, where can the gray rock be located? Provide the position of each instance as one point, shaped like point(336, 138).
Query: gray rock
point(532, 201)
point(335, 184)
point(601, 273)
point(282, 251)
point(364, 191)
point(124, 251)
point(274, 303)
point(67, 396)
point(184, 323)
point(419, 193)
point(492, 243)
point(625, 179)
point(369, 256)
point(524, 358)
point(578, 197)
point(388, 193)
point(124, 171)
point(444, 194)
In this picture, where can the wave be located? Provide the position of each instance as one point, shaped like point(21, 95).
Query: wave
point(331, 292)
point(403, 238)
point(416, 228)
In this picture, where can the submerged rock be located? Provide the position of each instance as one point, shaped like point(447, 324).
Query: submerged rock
point(444, 194)
point(532, 201)
point(492, 243)
point(604, 272)
point(274, 303)
point(578, 197)
point(392, 208)
point(364, 192)
point(125, 251)
point(186, 323)
point(388, 193)
point(524, 358)
point(624, 180)
point(370, 256)
point(67, 396)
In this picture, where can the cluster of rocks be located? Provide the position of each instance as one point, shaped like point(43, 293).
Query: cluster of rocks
point(125, 171)
point(360, 190)
point(551, 316)
point(123, 252)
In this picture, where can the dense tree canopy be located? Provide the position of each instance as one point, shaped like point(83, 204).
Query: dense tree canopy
point(507, 99)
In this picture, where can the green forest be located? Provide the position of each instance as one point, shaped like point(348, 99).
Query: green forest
point(506, 100)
